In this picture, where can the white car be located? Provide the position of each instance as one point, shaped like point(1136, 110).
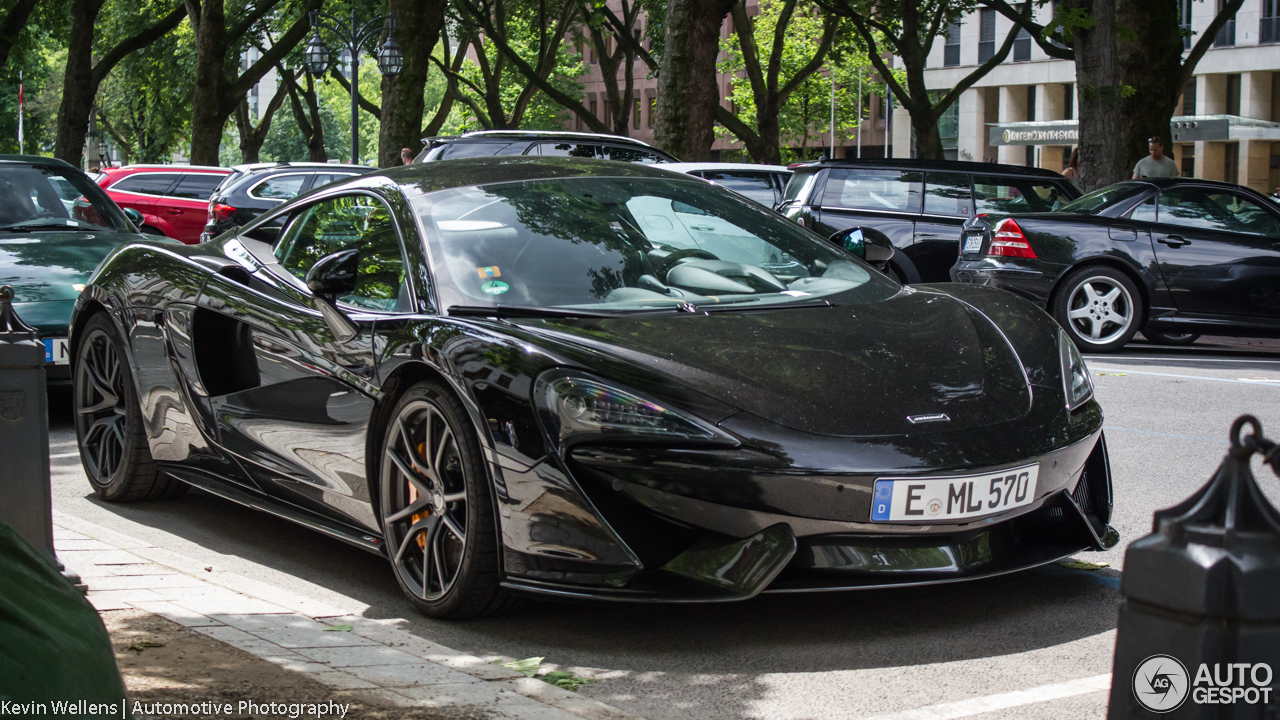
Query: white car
point(762, 183)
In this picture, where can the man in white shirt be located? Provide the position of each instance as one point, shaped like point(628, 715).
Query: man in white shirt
point(1157, 164)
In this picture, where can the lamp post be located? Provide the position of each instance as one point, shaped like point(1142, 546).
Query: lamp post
point(103, 151)
point(352, 35)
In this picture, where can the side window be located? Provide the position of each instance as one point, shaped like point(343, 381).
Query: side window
point(1195, 208)
point(570, 149)
point(757, 186)
point(345, 222)
point(280, 187)
point(995, 194)
point(634, 155)
point(873, 190)
point(947, 194)
point(1146, 212)
point(145, 183)
point(196, 186)
point(1246, 216)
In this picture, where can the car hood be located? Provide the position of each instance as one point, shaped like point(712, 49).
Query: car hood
point(43, 266)
point(848, 371)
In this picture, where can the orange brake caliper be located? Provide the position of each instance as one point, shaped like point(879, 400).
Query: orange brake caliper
point(413, 497)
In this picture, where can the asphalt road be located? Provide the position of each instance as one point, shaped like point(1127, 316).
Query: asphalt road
point(846, 655)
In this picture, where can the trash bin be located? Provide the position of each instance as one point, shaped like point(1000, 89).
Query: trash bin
point(1199, 627)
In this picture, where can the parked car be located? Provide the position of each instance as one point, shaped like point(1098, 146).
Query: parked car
point(506, 143)
point(48, 249)
point(1172, 257)
point(762, 183)
point(251, 190)
point(173, 199)
point(919, 206)
point(611, 381)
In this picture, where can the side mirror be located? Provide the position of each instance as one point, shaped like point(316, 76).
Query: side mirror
point(333, 276)
point(874, 251)
point(134, 216)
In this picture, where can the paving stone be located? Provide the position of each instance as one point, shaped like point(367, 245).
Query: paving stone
point(566, 700)
point(451, 694)
point(67, 544)
point(105, 604)
point(243, 640)
point(359, 656)
point(224, 602)
point(99, 557)
point(148, 569)
point(176, 613)
point(380, 696)
point(293, 631)
point(284, 598)
point(342, 680)
point(142, 582)
point(61, 533)
point(425, 649)
point(125, 596)
point(396, 676)
point(297, 664)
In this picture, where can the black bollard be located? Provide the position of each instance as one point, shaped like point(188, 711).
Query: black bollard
point(1199, 629)
point(24, 434)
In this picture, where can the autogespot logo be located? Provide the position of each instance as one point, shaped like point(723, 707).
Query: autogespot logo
point(1160, 683)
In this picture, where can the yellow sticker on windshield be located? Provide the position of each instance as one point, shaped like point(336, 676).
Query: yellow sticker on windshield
point(489, 272)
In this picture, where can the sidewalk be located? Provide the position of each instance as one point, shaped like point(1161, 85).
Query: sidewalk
point(295, 649)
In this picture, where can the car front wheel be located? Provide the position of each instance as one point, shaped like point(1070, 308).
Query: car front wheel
point(437, 515)
point(1166, 338)
point(1099, 307)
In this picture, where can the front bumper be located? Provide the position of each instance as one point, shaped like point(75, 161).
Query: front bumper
point(1032, 279)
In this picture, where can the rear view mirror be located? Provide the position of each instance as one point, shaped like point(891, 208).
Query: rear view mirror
point(333, 276)
point(134, 216)
point(873, 250)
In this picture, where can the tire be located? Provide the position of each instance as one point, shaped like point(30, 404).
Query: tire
point(436, 507)
point(109, 430)
point(1164, 338)
point(1099, 307)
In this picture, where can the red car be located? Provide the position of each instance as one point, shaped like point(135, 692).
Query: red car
point(173, 199)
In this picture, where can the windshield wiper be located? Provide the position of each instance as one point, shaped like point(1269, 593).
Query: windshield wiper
point(797, 305)
point(527, 311)
point(41, 226)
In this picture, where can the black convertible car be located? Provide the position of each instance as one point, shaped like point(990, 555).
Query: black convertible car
point(1172, 257)
point(589, 379)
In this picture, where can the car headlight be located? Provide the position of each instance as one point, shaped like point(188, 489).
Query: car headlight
point(574, 406)
point(1075, 374)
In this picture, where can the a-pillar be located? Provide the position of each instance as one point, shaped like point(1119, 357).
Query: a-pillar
point(1013, 108)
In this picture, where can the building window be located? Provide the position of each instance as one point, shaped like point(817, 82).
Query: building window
point(1069, 101)
point(1189, 160)
point(1189, 97)
point(1184, 22)
point(1227, 35)
point(594, 112)
point(1231, 163)
point(986, 34)
point(951, 51)
point(1031, 103)
point(1022, 46)
point(636, 120)
point(1269, 25)
point(653, 108)
point(1233, 94)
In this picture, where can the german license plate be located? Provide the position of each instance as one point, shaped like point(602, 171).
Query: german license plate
point(55, 351)
point(961, 497)
point(972, 244)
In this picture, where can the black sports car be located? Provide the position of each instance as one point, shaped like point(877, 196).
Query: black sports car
point(1172, 257)
point(589, 379)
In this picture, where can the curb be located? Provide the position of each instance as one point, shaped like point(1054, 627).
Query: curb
point(373, 660)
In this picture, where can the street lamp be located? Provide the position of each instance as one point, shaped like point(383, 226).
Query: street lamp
point(352, 35)
point(103, 150)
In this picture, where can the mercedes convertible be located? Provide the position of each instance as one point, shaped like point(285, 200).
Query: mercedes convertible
point(589, 379)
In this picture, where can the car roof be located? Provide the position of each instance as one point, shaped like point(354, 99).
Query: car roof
point(685, 167)
point(285, 164)
point(421, 178)
point(942, 165)
point(37, 160)
point(537, 135)
point(170, 168)
point(1167, 182)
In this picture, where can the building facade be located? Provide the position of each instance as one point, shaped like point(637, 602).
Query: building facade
point(1023, 112)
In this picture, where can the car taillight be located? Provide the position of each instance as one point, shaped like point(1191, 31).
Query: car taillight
point(1008, 240)
point(221, 212)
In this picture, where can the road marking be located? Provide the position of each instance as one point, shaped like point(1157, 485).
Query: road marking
point(991, 703)
point(1272, 383)
point(1163, 360)
point(1215, 441)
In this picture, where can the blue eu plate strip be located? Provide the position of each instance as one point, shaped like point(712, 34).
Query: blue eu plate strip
point(48, 350)
point(882, 501)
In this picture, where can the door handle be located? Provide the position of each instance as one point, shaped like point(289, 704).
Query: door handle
point(1173, 241)
point(174, 211)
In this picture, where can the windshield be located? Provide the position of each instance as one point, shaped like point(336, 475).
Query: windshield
point(626, 244)
point(34, 198)
point(1101, 199)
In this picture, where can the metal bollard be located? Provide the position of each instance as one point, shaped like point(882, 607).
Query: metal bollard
point(24, 434)
point(1199, 629)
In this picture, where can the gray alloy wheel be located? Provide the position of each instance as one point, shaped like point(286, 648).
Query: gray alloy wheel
point(109, 430)
point(436, 511)
point(1100, 308)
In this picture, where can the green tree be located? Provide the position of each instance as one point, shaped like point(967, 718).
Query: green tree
point(144, 103)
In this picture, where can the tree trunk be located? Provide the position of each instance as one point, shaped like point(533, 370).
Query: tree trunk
point(78, 87)
point(207, 117)
point(1103, 156)
point(309, 119)
point(928, 139)
point(1152, 68)
point(688, 94)
point(402, 109)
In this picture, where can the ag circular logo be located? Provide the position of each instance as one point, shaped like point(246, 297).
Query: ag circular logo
point(1161, 683)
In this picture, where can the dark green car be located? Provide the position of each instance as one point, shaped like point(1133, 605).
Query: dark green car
point(56, 225)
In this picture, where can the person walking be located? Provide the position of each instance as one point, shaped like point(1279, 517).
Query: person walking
point(1072, 172)
point(1157, 164)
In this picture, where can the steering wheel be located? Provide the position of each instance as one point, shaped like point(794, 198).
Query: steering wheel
point(671, 260)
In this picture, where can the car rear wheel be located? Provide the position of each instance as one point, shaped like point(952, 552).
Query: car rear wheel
point(109, 429)
point(436, 508)
point(1100, 308)
point(1164, 338)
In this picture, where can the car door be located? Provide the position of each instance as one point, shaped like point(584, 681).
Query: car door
point(140, 191)
point(1219, 252)
point(296, 399)
point(948, 203)
point(186, 204)
point(884, 200)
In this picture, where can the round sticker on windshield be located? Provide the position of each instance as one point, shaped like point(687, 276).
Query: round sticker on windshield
point(495, 287)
